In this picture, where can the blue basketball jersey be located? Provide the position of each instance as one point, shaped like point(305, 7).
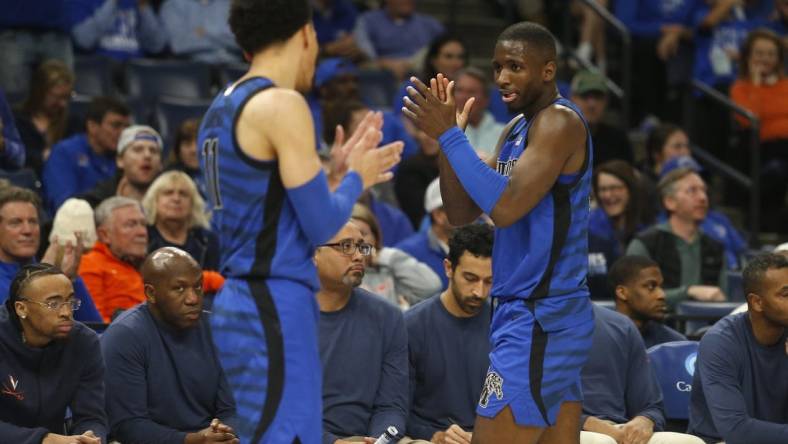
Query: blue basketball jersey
point(256, 223)
point(545, 254)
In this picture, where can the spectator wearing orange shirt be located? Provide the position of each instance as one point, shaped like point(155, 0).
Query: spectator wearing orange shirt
point(110, 270)
point(763, 89)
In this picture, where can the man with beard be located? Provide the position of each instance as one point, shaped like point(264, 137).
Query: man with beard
point(739, 389)
point(139, 163)
point(363, 346)
point(448, 342)
point(164, 380)
point(692, 263)
point(637, 283)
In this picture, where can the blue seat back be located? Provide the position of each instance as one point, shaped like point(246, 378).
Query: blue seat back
point(674, 365)
point(152, 79)
point(93, 76)
point(172, 112)
point(707, 313)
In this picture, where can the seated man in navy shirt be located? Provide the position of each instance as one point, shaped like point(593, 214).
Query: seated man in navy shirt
point(164, 382)
point(740, 388)
point(363, 346)
point(637, 283)
point(622, 400)
point(448, 342)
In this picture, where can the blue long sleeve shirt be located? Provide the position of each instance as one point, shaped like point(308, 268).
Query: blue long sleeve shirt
point(87, 311)
point(40, 384)
point(618, 381)
point(740, 387)
point(199, 30)
point(74, 168)
point(116, 28)
point(44, 15)
point(379, 36)
point(449, 357)
point(364, 352)
point(162, 382)
point(645, 18)
point(12, 156)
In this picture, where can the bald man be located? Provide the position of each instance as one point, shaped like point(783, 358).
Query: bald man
point(163, 379)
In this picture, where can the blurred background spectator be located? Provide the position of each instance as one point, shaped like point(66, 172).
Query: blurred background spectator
point(198, 30)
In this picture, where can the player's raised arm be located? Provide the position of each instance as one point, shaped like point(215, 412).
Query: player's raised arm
point(288, 135)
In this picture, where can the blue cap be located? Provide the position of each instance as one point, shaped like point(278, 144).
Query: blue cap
point(331, 68)
point(680, 162)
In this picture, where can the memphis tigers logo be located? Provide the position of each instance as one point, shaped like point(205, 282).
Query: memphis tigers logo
point(493, 385)
point(505, 168)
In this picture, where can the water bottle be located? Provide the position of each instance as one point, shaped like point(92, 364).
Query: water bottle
point(388, 436)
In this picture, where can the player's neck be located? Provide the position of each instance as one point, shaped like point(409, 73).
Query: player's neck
point(766, 333)
point(547, 97)
point(279, 64)
point(333, 298)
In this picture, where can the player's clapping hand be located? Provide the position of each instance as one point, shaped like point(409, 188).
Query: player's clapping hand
point(341, 149)
point(433, 110)
point(373, 164)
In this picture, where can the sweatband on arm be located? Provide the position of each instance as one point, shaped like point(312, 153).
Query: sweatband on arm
point(483, 184)
point(320, 212)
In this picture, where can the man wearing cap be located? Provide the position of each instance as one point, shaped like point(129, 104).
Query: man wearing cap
point(431, 245)
point(589, 92)
point(80, 162)
point(138, 161)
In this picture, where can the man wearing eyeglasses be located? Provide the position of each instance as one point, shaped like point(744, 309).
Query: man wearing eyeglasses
point(363, 346)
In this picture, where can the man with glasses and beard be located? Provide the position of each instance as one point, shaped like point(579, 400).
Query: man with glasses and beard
point(448, 342)
point(363, 346)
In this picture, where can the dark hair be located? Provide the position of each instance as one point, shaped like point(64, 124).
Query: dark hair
point(746, 50)
point(532, 34)
point(476, 239)
point(339, 113)
point(756, 269)
point(625, 268)
point(101, 105)
point(623, 171)
point(428, 70)
point(22, 279)
point(258, 24)
point(187, 132)
point(657, 139)
point(48, 75)
point(16, 194)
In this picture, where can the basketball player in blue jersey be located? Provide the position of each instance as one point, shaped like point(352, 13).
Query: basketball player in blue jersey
point(271, 207)
point(536, 190)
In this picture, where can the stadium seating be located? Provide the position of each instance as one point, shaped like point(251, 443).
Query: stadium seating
point(609, 304)
point(153, 79)
point(699, 314)
point(231, 73)
point(674, 366)
point(171, 112)
point(93, 76)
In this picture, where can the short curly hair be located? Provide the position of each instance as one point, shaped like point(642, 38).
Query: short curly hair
point(258, 24)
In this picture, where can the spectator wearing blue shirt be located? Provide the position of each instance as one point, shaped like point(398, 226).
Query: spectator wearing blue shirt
point(622, 400)
point(739, 389)
point(198, 30)
point(448, 342)
point(12, 151)
point(32, 31)
point(52, 366)
point(430, 245)
point(164, 381)
point(82, 161)
point(363, 346)
point(334, 22)
point(393, 35)
point(20, 237)
point(121, 29)
point(637, 284)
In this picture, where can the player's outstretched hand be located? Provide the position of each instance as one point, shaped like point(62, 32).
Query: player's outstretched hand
point(341, 149)
point(373, 165)
point(439, 87)
point(427, 111)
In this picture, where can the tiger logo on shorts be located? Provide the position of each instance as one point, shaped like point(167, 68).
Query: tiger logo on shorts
point(493, 385)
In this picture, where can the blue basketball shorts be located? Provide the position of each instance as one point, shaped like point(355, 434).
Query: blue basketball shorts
point(538, 349)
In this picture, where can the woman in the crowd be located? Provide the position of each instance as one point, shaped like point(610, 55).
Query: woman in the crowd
point(177, 218)
point(183, 156)
point(390, 272)
point(42, 118)
point(762, 88)
point(664, 142)
point(50, 364)
point(617, 218)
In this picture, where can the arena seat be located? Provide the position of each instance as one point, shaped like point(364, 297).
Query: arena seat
point(153, 79)
point(674, 366)
point(735, 287)
point(377, 87)
point(170, 112)
point(609, 304)
point(93, 76)
point(231, 73)
point(698, 314)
